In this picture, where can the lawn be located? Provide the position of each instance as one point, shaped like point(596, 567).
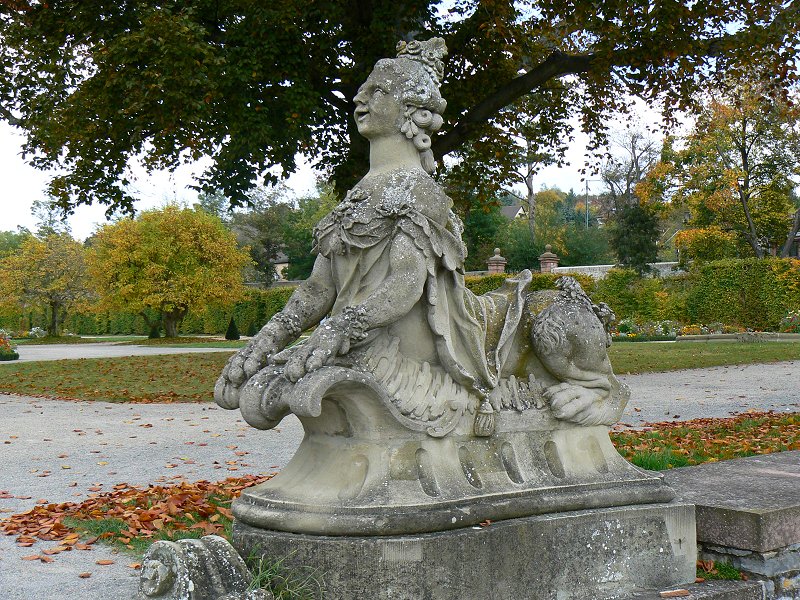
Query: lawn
point(191, 377)
point(645, 357)
point(683, 443)
point(164, 378)
point(74, 339)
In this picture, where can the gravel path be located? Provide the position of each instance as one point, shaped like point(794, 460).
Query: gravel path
point(48, 445)
point(29, 353)
point(713, 392)
point(56, 450)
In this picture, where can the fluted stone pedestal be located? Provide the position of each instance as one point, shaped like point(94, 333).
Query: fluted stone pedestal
point(590, 554)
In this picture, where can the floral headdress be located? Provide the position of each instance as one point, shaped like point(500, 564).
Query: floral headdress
point(428, 53)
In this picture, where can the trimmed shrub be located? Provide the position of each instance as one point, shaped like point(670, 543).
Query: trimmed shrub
point(233, 331)
point(753, 293)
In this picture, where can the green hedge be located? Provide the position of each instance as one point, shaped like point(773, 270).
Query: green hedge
point(751, 293)
point(754, 293)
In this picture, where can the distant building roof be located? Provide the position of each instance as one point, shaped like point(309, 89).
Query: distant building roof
point(513, 211)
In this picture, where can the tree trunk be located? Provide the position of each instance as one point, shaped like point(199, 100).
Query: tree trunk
point(792, 232)
point(752, 233)
point(531, 208)
point(171, 319)
point(150, 323)
point(52, 327)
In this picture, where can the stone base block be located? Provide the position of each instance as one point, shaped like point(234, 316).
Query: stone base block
point(712, 590)
point(778, 570)
point(748, 515)
point(600, 554)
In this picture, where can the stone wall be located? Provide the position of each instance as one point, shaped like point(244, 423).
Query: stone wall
point(661, 269)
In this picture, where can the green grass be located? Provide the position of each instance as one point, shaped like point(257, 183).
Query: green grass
point(644, 357)
point(191, 377)
point(111, 530)
point(285, 583)
point(165, 378)
point(73, 339)
point(188, 342)
point(718, 571)
point(679, 444)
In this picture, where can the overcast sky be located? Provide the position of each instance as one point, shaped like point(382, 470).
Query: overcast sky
point(22, 184)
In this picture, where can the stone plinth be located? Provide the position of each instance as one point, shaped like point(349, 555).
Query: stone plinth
point(598, 554)
point(748, 514)
point(496, 264)
point(548, 261)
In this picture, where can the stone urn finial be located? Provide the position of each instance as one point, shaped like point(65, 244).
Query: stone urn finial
point(496, 264)
point(549, 260)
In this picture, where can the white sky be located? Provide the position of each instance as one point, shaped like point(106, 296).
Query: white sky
point(22, 184)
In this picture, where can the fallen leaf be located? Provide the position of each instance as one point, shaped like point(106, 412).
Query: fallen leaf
point(104, 562)
point(84, 575)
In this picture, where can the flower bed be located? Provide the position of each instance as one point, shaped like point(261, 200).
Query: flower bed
point(629, 330)
point(791, 322)
point(7, 351)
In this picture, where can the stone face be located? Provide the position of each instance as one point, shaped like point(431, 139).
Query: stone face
point(750, 503)
point(596, 554)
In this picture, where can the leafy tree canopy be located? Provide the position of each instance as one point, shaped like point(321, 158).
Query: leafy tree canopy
point(48, 273)
point(10, 241)
point(737, 169)
point(252, 84)
point(298, 231)
point(634, 237)
point(168, 261)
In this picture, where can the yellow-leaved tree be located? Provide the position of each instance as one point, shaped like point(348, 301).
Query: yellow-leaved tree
point(168, 262)
point(47, 273)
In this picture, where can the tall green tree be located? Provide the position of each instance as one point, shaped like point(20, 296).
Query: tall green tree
point(738, 168)
point(46, 273)
point(260, 228)
point(482, 225)
point(10, 241)
point(167, 262)
point(252, 84)
point(298, 231)
point(634, 237)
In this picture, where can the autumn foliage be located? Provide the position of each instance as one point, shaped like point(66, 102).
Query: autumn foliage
point(167, 261)
point(155, 512)
point(681, 443)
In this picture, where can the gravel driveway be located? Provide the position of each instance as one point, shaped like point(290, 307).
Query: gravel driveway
point(29, 353)
point(56, 450)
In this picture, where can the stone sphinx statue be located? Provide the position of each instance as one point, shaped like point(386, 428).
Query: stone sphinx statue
point(425, 406)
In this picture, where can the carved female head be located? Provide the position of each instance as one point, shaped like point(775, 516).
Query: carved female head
point(401, 96)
